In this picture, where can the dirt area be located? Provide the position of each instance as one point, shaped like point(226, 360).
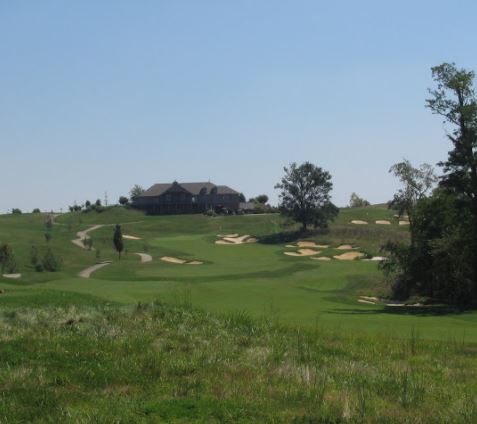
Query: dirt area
point(173, 260)
point(349, 256)
point(236, 239)
point(358, 222)
point(322, 258)
point(403, 222)
point(383, 222)
point(303, 252)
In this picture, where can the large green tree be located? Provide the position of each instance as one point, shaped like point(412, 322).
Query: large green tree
point(441, 261)
point(305, 195)
point(455, 100)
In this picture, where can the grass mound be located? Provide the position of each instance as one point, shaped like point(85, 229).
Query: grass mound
point(156, 362)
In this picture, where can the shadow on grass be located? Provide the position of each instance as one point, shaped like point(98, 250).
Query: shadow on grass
point(287, 236)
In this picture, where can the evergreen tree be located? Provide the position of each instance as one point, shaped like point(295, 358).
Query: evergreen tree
point(118, 240)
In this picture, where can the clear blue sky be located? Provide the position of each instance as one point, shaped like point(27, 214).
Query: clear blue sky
point(97, 96)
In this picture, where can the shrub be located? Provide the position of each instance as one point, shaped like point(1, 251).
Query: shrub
point(36, 210)
point(50, 261)
point(34, 256)
point(16, 211)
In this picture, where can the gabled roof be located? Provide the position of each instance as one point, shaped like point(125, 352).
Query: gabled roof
point(192, 188)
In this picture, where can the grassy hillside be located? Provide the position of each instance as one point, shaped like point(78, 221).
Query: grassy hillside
point(255, 278)
point(164, 363)
point(250, 335)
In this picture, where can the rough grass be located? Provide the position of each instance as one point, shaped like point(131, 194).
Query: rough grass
point(166, 363)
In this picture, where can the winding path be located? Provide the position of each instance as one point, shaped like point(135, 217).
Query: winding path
point(86, 273)
point(83, 235)
point(144, 257)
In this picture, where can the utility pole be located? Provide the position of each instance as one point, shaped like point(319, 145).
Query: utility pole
point(105, 198)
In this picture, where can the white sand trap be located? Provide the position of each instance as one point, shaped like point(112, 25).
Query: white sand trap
point(303, 252)
point(358, 222)
point(12, 276)
point(403, 222)
point(144, 257)
point(378, 258)
point(291, 246)
point(311, 244)
point(227, 240)
point(322, 258)
point(128, 237)
point(349, 256)
point(370, 298)
point(345, 247)
point(86, 273)
point(173, 260)
point(366, 301)
point(383, 222)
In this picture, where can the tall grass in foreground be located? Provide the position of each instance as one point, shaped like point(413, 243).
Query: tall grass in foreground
point(166, 363)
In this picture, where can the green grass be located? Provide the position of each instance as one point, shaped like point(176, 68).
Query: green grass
point(252, 335)
point(254, 278)
point(166, 363)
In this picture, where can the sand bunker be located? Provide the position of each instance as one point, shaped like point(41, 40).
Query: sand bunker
point(128, 237)
point(349, 256)
point(173, 260)
point(228, 235)
point(403, 222)
point(358, 222)
point(311, 244)
point(144, 257)
point(383, 222)
point(345, 247)
point(12, 276)
point(303, 252)
point(322, 258)
point(366, 301)
point(236, 239)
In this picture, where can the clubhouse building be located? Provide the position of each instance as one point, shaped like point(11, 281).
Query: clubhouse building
point(176, 198)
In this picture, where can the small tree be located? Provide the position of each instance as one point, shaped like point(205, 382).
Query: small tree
point(305, 195)
point(118, 240)
point(36, 210)
point(262, 199)
point(50, 261)
point(7, 259)
point(357, 202)
point(16, 211)
point(137, 190)
point(242, 197)
point(49, 222)
point(89, 243)
point(417, 183)
point(34, 256)
point(123, 200)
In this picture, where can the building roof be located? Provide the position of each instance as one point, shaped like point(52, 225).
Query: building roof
point(192, 188)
